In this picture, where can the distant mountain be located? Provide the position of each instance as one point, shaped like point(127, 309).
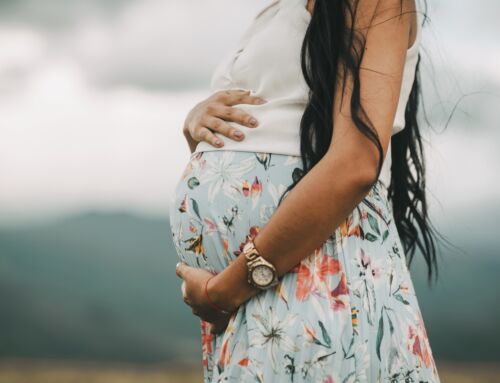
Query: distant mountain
point(103, 287)
point(94, 286)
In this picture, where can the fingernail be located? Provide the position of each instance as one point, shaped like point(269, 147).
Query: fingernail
point(218, 142)
point(238, 134)
point(261, 101)
point(253, 121)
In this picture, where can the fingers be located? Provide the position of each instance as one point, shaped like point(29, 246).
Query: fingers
point(205, 134)
point(180, 269)
point(212, 123)
point(219, 326)
point(217, 125)
point(216, 330)
point(184, 294)
point(218, 110)
point(235, 96)
point(237, 115)
point(226, 113)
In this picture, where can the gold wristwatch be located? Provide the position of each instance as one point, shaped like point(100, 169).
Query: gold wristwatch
point(261, 273)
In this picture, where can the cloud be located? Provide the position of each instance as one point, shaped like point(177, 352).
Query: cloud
point(81, 127)
point(175, 45)
point(20, 51)
point(65, 145)
point(155, 44)
point(161, 44)
point(55, 15)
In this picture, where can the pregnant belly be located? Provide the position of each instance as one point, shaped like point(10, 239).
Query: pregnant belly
point(224, 197)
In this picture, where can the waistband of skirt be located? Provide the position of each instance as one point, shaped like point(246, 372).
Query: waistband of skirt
point(241, 152)
point(378, 183)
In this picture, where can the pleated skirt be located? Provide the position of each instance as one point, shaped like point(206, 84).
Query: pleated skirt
point(346, 313)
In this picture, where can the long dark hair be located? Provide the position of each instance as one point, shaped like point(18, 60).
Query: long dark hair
point(330, 43)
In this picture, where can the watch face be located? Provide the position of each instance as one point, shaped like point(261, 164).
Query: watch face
point(262, 275)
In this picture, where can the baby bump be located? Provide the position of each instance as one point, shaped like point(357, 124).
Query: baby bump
point(222, 198)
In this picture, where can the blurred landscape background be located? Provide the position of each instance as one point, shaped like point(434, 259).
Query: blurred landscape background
point(93, 97)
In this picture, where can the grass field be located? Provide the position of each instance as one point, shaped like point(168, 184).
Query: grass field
point(52, 372)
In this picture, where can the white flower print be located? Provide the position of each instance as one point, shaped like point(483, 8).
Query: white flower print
point(291, 160)
point(177, 235)
point(317, 368)
point(346, 314)
point(362, 356)
point(276, 192)
point(223, 173)
point(363, 286)
point(272, 332)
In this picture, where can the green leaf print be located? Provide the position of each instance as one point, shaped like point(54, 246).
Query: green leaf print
point(373, 223)
point(385, 235)
point(196, 208)
point(401, 299)
point(371, 237)
point(193, 182)
point(391, 326)
point(380, 333)
point(324, 333)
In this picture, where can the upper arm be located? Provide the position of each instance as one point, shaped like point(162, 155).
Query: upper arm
point(386, 29)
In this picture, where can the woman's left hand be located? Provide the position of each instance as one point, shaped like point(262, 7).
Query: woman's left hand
point(193, 294)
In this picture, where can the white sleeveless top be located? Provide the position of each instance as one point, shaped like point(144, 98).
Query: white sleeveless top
point(267, 62)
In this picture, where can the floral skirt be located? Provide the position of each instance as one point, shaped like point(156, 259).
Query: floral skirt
point(346, 313)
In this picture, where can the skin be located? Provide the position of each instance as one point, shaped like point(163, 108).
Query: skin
point(213, 114)
point(301, 224)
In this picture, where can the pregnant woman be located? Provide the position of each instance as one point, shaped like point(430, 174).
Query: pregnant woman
point(304, 199)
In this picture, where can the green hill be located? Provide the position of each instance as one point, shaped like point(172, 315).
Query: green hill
point(93, 286)
point(103, 287)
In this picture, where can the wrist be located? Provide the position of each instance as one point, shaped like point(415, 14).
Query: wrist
point(215, 302)
point(220, 296)
point(231, 291)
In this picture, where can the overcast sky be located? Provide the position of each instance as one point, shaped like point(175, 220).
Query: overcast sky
point(93, 95)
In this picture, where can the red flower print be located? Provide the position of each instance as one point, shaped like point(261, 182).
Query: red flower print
point(206, 341)
point(256, 186)
point(243, 362)
point(307, 280)
point(326, 265)
point(338, 293)
point(245, 188)
point(225, 355)
point(347, 229)
point(183, 208)
point(418, 343)
point(254, 230)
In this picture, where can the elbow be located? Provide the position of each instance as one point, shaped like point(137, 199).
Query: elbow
point(362, 176)
point(366, 178)
point(359, 172)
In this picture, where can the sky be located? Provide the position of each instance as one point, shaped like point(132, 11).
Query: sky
point(93, 96)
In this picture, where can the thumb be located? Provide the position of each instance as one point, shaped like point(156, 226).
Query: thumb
point(180, 269)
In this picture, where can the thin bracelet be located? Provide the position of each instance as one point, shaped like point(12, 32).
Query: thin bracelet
point(220, 309)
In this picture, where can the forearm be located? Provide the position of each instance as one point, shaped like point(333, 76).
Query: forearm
point(308, 215)
point(331, 190)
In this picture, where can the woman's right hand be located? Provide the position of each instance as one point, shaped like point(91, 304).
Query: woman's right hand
point(211, 115)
